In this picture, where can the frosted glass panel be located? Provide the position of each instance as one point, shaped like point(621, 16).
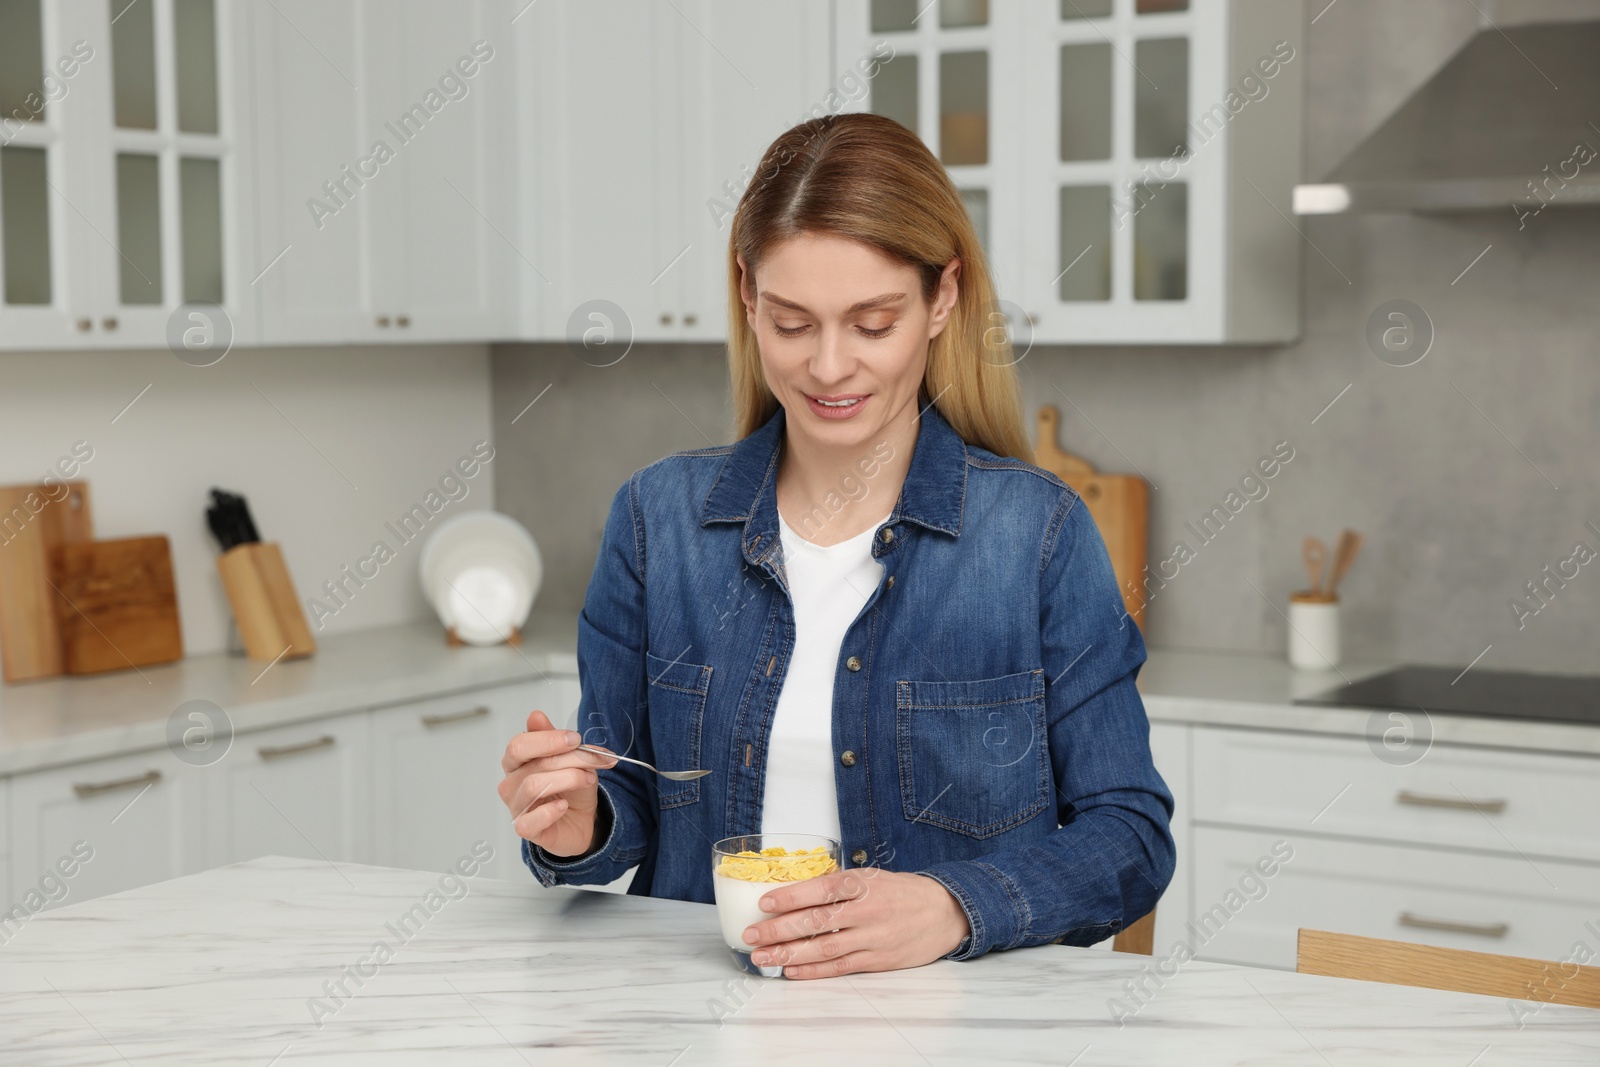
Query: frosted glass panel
point(1085, 245)
point(977, 201)
point(963, 13)
point(21, 61)
point(892, 16)
point(195, 37)
point(200, 196)
point(133, 63)
point(1161, 242)
point(1085, 101)
point(25, 224)
point(1161, 98)
point(139, 228)
point(894, 90)
point(1085, 9)
point(964, 108)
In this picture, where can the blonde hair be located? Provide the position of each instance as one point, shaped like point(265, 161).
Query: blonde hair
point(868, 178)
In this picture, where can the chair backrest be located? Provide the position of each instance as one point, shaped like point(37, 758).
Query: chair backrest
point(1373, 959)
point(1138, 937)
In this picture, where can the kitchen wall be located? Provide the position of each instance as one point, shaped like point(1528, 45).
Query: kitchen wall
point(1469, 472)
point(327, 445)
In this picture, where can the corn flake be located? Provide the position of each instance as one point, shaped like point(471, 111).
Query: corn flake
point(777, 865)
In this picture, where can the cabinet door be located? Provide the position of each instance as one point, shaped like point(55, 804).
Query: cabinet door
point(301, 790)
point(318, 173)
point(608, 88)
point(45, 290)
point(741, 90)
point(950, 73)
point(140, 815)
point(1169, 746)
point(436, 764)
point(444, 84)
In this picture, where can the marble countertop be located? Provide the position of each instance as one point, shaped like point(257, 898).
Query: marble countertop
point(56, 721)
point(59, 721)
point(240, 965)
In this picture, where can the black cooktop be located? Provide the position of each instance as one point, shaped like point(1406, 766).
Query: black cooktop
point(1500, 694)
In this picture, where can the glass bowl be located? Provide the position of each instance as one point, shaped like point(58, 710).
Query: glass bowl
point(739, 898)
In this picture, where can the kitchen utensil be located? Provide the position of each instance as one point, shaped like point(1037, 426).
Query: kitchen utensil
point(116, 606)
point(1118, 503)
point(34, 521)
point(1316, 557)
point(270, 620)
point(229, 519)
point(676, 776)
point(739, 898)
point(480, 571)
point(1344, 554)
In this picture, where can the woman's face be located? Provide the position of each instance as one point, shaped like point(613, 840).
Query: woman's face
point(844, 334)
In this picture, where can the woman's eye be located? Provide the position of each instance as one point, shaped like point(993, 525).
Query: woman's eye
point(884, 332)
point(788, 331)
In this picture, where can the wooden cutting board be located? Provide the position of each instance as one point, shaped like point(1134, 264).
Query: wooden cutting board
point(1119, 504)
point(35, 520)
point(118, 605)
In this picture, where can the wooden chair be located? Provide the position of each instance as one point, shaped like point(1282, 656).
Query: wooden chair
point(1372, 959)
point(1138, 937)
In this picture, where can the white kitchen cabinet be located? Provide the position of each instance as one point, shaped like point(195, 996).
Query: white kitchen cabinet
point(119, 197)
point(1169, 747)
point(1128, 163)
point(654, 117)
point(302, 790)
point(1508, 905)
point(385, 136)
point(140, 815)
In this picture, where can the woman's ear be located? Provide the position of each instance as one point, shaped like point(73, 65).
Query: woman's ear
point(747, 290)
point(945, 298)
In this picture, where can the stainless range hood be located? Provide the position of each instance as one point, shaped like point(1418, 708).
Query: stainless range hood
point(1510, 122)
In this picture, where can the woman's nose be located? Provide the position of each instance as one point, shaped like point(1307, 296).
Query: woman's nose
point(832, 361)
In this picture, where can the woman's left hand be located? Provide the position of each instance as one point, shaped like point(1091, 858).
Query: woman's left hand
point(863, 919)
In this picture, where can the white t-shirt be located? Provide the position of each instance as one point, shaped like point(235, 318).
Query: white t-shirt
point(828, 586)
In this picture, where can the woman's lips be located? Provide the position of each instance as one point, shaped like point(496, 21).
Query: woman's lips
point(843, 406)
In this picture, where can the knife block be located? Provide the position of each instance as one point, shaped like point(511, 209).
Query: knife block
point(269, 618)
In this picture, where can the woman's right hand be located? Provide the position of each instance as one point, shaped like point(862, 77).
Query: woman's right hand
point(551, 787)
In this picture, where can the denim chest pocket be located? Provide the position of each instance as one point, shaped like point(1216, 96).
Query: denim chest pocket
point(676, 692)
point(973, 756)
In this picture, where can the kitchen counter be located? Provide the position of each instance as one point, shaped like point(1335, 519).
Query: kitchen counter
point(239, 965)
point(59, 721)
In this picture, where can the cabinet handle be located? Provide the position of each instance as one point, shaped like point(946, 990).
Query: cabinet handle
point(402, 320)
point(690, 320)
point(666, 318)
point(1423, 800)
point(1481, 929)
point(92, 789)
point(85, 325)
point(280, 751)
point(454, 716)
point(1033, 320)
point(383, 320)
point(109, 323)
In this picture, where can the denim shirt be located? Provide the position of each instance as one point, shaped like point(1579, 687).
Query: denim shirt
point(988, 729)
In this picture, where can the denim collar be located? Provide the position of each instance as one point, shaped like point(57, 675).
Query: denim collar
point(746, 489)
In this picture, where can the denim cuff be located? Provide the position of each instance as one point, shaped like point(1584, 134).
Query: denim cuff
point(994, 911)
point(553, 870)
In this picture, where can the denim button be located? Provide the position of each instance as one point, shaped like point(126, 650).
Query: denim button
point(887, 535)
point(890, 583)
point(847, 758)
point(859, 857)
point(853, 663)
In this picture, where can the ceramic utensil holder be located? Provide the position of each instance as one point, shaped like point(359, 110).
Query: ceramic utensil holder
point(1313, 630)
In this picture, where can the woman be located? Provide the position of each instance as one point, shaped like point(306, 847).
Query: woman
point(871, 618)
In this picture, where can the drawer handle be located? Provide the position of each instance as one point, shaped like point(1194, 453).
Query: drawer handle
point(1481, 929)
point(280, 751)
point(431, 721)
point(1423, 800)
point(92, 789)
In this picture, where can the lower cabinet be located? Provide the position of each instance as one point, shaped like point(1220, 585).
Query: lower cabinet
point(114, 823)
point(1508, 905)
point(303, 790)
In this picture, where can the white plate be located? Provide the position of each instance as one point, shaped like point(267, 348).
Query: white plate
point(480, 572)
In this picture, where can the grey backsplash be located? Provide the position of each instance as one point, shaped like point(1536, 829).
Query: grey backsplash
point(1469, 472)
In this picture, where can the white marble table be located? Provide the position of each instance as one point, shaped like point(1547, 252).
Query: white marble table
point(225, 967)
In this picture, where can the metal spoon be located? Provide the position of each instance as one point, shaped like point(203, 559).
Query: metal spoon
point(676, 776)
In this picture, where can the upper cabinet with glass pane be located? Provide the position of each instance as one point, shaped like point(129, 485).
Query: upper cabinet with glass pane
point(1128, 162)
